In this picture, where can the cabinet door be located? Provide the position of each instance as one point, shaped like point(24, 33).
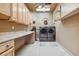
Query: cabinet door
point(29, 18)
point(68, 8)
point(20, 13)
point(26, 17)
point(19, 42)
point(6, 45)
point(24, 14)
point(14, 12)
point(9, 52)
point(56, 14)
point(26, 21)
point(5, 10)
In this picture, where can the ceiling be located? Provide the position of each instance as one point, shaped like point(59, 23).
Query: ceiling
point(42, 6)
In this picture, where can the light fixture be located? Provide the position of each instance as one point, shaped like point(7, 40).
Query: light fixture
point(43, 9)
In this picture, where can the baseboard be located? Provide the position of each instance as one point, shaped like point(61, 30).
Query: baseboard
point(70, 54)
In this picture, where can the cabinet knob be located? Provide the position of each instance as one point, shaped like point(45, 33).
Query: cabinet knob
point(7, 45)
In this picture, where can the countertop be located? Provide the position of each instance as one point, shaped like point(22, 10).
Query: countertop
point(5, 36)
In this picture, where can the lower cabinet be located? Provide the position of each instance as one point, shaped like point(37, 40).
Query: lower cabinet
point(9, 52)
point(29, 39)
point(7, 48)
point(19, 42)
point(10, 48)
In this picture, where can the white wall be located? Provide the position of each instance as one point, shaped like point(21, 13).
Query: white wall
point(39, 18)
point(67, 33)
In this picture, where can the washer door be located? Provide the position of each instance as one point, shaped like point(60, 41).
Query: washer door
point(43, 34)
point(51, 30)
point(51, 34)
point(43, 31)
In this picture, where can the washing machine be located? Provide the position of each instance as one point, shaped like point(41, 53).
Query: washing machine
point(51, 33)
point(47, 34)
point(43, 34)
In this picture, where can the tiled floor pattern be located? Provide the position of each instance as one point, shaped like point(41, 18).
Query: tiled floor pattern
point(42, 49)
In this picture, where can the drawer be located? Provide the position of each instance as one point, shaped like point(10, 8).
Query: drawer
point(9, 52)
point(6, 45)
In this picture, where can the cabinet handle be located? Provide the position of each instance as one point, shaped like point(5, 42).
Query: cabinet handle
point(7, 45)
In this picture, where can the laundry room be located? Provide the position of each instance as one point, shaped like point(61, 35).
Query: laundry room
point(42, 19)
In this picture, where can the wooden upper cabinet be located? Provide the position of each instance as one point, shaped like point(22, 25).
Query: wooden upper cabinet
point(56, 13)
point(5, 10)
point(24, 14)
point(68, 9)
point(27, 18)
point(65, 10)
point(20, 13)
point(26, 21)
point(30, 18)
point(17, 12)
point(14, 11)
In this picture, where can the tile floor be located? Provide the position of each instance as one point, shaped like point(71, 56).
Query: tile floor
point(42, 49)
